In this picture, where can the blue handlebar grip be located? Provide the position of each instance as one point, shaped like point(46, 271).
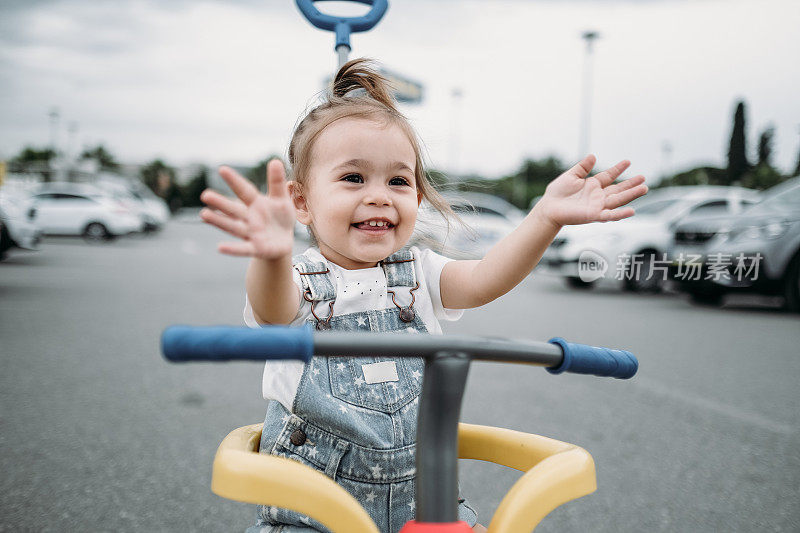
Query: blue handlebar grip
point(585, 359)
point(223, 343)
point(342, 26)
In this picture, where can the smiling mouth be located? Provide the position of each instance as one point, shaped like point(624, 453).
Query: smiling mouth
point(374, 225)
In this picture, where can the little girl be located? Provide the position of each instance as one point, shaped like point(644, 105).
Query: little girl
point(358, 180)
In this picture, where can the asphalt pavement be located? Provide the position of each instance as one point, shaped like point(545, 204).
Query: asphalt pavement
point(99, 433)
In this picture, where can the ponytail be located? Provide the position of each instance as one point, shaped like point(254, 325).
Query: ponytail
point(359, 75)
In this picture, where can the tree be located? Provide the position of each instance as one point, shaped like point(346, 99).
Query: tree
point(160, 177)
point(762, 177)
point(696, 176)
point(765, 146)
point(191, 192)
point(105, 161)
point(31, 159)
point(153, 172)
point(737, 151)
point(258, 174)
point(797, 166)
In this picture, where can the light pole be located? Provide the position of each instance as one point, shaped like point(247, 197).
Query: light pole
point(586, 97)
point(455, 131)
point(54, 116)
point(666, 154)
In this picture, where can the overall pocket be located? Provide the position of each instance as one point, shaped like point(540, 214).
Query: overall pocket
point(399, 380)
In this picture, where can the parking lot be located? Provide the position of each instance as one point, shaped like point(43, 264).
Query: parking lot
point(99, 433)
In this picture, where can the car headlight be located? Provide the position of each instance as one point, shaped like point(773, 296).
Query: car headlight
point(771, 230)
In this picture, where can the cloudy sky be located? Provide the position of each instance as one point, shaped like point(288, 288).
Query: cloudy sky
point(214, 81)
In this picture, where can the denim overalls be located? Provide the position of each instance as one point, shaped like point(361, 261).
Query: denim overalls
point(358, 431)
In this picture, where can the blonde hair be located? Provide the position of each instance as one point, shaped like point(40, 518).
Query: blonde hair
point(358, 91)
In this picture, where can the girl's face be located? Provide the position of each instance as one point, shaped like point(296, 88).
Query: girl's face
point(361, 192)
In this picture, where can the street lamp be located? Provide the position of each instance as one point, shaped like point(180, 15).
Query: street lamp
point(455, 131)
point(54, 116)
point(586, 99)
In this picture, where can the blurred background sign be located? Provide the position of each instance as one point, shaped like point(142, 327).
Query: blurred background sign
point(406, 90)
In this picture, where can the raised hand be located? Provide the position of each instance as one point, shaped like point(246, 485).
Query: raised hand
point(574, 198)
point(264, 223)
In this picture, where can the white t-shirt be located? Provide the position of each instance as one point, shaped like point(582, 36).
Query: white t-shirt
point(358, 290)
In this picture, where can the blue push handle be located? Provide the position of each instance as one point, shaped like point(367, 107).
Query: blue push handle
point(585, 359)
point(224, 343)
point(343, 26)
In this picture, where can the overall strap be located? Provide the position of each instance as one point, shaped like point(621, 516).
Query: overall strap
point(316, 278)
point(399, 269)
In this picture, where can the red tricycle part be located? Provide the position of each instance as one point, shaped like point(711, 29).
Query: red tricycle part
point(413, 526)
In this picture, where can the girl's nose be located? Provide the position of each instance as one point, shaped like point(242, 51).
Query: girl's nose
point(378, 196)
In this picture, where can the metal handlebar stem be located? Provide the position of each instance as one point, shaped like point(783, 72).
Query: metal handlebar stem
point(343, 26)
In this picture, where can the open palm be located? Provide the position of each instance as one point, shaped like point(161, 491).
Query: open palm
point(264, 223)
point(575, 198)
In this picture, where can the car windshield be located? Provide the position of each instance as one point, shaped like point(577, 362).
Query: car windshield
point(655, 207)
point(780, 197)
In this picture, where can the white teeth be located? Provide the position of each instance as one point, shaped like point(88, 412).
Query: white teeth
point(379, 223)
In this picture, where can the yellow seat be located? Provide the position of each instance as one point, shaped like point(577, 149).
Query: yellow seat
point(555, 473)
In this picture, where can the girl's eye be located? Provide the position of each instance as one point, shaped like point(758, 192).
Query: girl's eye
point(353, 178)
point(398, 181)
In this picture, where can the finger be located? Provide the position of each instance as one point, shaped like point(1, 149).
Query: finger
point(235, 227)
point(239, 249)
point(241, 186)
point(608, 176)
point(616, 200)
point(624, 185)
point(611, 215)
point(276, 180)
point(585, 166)
point(222, 203)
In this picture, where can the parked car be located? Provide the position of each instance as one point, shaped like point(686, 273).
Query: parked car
point(152, 209)
point(633, 250)
point(757, 251)
point(483, 220)
point(17, 230)
point(79, 209)
point(5, 240)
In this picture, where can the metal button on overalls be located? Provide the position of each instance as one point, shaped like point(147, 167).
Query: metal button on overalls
point(298, 437)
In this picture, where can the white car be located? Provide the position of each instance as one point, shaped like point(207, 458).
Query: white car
point(633, 250)
point(484, 220)
point(22, 233)
point(152, 209)
point(78, 209)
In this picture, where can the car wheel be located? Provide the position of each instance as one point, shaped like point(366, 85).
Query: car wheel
point(5, 241)
point(578, 283)
point(791, 285)
point(96, 232)
point(706, 297)
point(640, 282)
